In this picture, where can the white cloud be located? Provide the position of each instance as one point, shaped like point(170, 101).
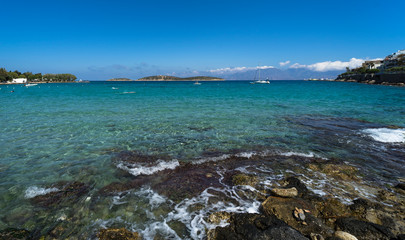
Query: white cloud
point(331, 66)
point(282, 64)
point(237, 69)
point(297, 65)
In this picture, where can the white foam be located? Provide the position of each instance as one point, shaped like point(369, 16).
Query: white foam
point(116, 200)
point(196, 220)
point(243, 169)
point(212, 159)
point(289, 154)
point(246, 154)
point(386, 135)
point(138, 169)
point(34, 191)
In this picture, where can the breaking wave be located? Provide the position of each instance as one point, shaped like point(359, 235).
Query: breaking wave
point(139, 169)
point(34, 191)
point(386, 135)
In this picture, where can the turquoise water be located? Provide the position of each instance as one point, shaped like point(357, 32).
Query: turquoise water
point(54, 132)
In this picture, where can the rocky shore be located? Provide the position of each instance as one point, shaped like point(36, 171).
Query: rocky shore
point(290, 207)
point(391, 79)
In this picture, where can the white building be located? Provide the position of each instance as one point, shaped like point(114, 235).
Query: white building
point(399, 52)
point(19, 80)
point(373, 64)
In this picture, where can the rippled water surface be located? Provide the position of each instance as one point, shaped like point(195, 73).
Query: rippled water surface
point(79, 132)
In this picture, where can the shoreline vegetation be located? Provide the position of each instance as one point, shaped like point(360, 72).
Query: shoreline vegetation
point(7, 77)
point(159, 78)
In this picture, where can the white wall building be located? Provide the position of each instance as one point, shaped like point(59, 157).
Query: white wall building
point(373, 64)
point(19, 80)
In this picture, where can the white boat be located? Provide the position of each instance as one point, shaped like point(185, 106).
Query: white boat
point(31, 84)
point(267, 81)
point(197, 83)
point(262, 81)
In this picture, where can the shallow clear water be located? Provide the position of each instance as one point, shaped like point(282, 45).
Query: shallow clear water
point(54, 132)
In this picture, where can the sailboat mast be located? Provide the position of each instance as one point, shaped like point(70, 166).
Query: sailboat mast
point(259, 72)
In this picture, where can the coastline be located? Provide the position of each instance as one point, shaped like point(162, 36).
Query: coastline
point(38, 83)
point(389, 79)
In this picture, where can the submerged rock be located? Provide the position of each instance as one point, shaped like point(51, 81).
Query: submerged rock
point(255, 226)
point(245, 179)
point(186, 181)
point(338, 171)
point(132, 157)
point(117, 187)
point(14, 234)
point(68, 192)
point(118, 234)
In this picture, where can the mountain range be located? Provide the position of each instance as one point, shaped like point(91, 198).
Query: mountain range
point(272, 74)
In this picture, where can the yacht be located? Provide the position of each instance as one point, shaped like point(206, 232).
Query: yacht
point(267, 81)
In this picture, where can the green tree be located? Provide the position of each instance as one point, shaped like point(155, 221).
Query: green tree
point(3, 75)
point(27, 74)
point(13, 75)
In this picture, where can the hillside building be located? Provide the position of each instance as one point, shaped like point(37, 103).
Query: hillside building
point(373, 64)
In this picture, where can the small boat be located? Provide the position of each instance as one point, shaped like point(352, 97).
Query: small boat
point(263, 81)
point(82, 81)
point(197, 83)
point(31, 84)
point(267, 81)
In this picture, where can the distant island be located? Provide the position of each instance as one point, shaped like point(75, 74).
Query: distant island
point(172, 78)
point(387, 71)
point(119, 79)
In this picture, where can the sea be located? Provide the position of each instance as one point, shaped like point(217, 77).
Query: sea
point(134, 144)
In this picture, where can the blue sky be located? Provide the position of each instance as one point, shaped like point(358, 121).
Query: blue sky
point(104, 39)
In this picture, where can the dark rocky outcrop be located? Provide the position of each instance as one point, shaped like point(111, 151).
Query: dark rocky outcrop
point(295, 182)
point(397, 79)
point(400, 186)
point(255, 226)
point(283, 208)
point(364, 230)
